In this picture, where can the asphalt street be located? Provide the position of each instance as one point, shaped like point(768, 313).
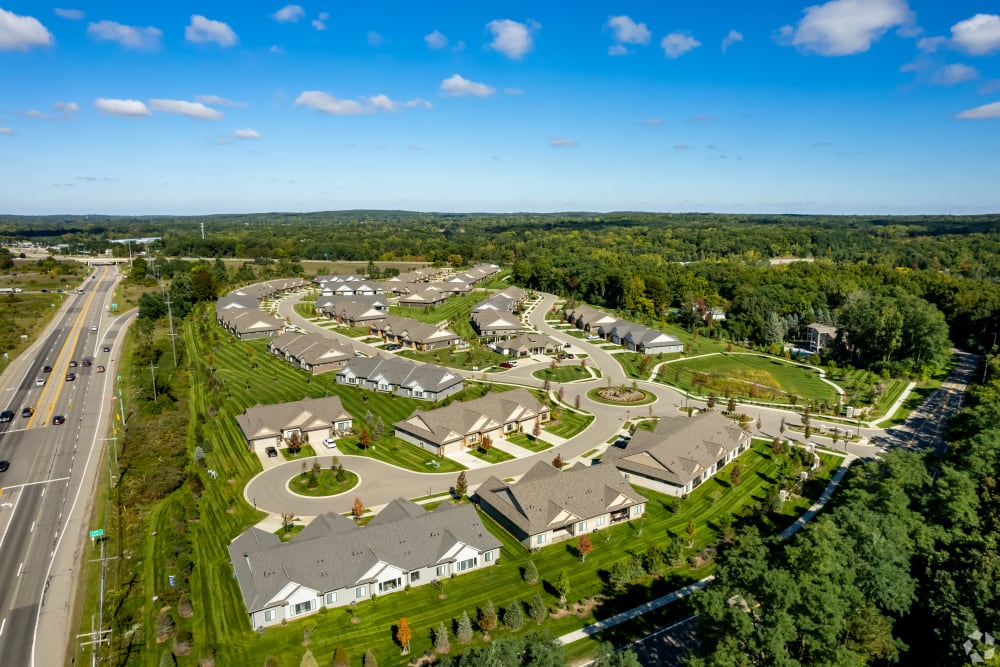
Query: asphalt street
point(47, 491)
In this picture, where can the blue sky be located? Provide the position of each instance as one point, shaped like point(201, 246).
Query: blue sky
point(881, 106)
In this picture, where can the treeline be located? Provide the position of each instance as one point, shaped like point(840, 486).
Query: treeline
point(904, 569)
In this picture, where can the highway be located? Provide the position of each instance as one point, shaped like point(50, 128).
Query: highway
point(47, 491)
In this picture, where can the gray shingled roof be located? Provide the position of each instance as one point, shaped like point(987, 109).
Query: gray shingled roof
point(313, 348)
point(545, 494)
point(334, 556)
point(263, 421)
point(402, 372)
point(444, 424)
point(679, 448)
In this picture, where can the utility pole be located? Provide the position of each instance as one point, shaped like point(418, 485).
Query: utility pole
point(121, 401)
point(203, 231)
point(170, 316)
point(152, 372)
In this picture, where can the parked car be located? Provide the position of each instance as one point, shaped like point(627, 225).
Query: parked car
point(58, 419)
point(569, 355)
point(27, 411)
point(330, 443)
point(506, 364)
point(271, 452)
point(4, 465)
point(6, 416)
point(393, 347)
point(70, 377)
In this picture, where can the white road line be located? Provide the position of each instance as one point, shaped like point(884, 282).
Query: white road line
point(32, 529)
point(2, 624)
point(20, 568)
point(44, 481)
point(11, 519)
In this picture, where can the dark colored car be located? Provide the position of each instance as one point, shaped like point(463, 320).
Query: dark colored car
point(271, 452)
point(86, 363)
point(58, 419)
point(46, 369)
point(393, 347)
point(4, 465)
point(6, 416)
point(27, 411)
point(70, 377)
point(506, 364)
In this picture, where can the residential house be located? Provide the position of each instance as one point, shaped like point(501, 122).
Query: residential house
point(325, 305)
point(248, 324)
point(333, 562)
point(820, 336)
point(314, 352)
point(586, 318)
point(273, 425)
point(413, 334)
point(639, 337)
point(495, 325)
point(680, 453)
point(428, 296)
point(528, 344)
point(402, 377)
point(459, 425)
point(547, 505)
point(354, 311)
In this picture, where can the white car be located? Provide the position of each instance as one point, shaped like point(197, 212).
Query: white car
point(40, 382)
point(330, 443)
point(93, 328)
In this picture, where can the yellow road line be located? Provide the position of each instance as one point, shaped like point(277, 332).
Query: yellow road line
point(62, 360)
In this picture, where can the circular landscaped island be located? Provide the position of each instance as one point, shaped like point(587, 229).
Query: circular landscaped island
point(621, 395)
point(325, 482)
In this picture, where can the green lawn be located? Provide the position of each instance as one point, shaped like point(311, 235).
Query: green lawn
point(632, 362)
point(326, 483)
point(569, 424)
point(354, 332)
point(564, 372)
point(424, 608)
point(493, 455)
point(398, 452)
point(474, 357)
point(306, 309)
point(529, 442)
point(455, 308)
point(25, 315)
point(305, 452)
point(763, 378)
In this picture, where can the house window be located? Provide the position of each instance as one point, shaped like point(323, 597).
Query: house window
point(473, 437)
point(352, 380)
point(441, 570)
point(581, 526)
point(331, 598)
point(269, 615)
point(302, 608)
point(509, 427)
point(414, 576)
point(637, 509)
point(601, 520)
point(361, 592)
point(488, 556)
point(467, 564)
point(540, 539)
point(390, 585)
point(418, 394)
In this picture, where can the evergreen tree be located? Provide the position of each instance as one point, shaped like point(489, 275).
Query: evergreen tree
point(530, 572)
point(513, 616)
point(308, 660)
point(464, 631)
point(488, 617)
point(369, 659)
point(441, 643)
point(538, 612)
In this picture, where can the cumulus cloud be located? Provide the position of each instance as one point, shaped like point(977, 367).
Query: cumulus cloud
point(247, 133)
point(6, 130)
point(458, 86)
point(383, 103)
point(124, 108)
point(652, 122)
point(845, 27)
point(956, 73)
point(66, 107)
point(20, 33)
point(511, 38)
point(215, 100)
point(419, 102)
point(185, 108)
point(289, 14)
point(617, 50)
point(320, 101)
point(730, 39)
point(203, 31)
point(319, 23)
point(69, 14)
point(561, 142)
point(131, 37)
point(931, 44)
point(991, 110)
point(35, 113)
point(978, 35)
point(626, 31)
point(375, 39)
point(676, 44)
point(436, 40)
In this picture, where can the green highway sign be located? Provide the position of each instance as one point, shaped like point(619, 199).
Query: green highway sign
point(94, 534)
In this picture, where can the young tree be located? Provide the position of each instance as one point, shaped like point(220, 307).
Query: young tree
point(488, 617)
point(316, 467)
point(736, 475)
point(513, 616)
point(379, 428)
point(286, 521)
point(463, 633)
point(461, 485)
point(340, 658)
point(530, 572)
point(308, 660)
point(369, 659)
point(576, 401)
point(584, 547)
point(359, 507)
point(364, 438)
point(537, 430)
point(369, 419)
point(732, 404)
point(486, 444)
point(538, 612)
point(294, 443)
point(441, 642)
point(690, 533)
point(710, 403)
point(404, 634)
point(562, 586)
point(557, 462)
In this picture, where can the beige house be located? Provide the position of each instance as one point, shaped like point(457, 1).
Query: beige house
point(309, 419)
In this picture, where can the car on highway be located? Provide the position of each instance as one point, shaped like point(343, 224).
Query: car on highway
point(58, 419)
point(93, 328)
point(271, 452)
point(46, 369)
point(70, 377)
point(27, 411)
point(40, 382)
point(73, 364)
point(6, 416)
point(4, 465)
point(86, 363)
point(330, 443)
point(100, 369)
point(107, 348)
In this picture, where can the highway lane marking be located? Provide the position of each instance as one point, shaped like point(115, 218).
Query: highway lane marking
point(44, 481)
point(60, 358)
point(32, 529)
point(20, 568)
point(7, 527)
point(2, 624)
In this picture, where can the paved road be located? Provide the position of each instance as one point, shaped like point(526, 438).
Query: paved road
point(47, 491)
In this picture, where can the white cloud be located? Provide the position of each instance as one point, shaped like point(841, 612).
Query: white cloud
point(955, 73)
point(845, 27)
point(131, 37)
point(617, 50)
point(20, 33)
point(730, 39)
point(513, 91)
point(419, 102)
point(383, 103)
point(320, 101)
point(627, 31)
point(125, 108)
point(991, 110)
point(289, 14)
point(561, 142)
point(318, 25)
point(35, 113)
point(979, 35)
point(652, 122)
point(931, 44)
point(375, 39)
point(436, 40)
point(185, 108)
point(247, 133)
point(511, 38)
point(202, 31)
point(66, 107)
point(6, 130)
point(69, 14)
point(219, 101)
point(458, 86)
point(676, 44)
